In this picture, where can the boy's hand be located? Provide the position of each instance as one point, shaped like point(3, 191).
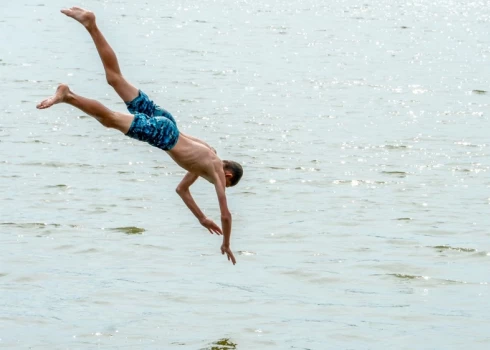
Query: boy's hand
point(211, 226)
point(226, 249)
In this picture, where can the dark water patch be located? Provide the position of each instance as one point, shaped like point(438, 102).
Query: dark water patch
point(360, 291)
point(408, 277)
point(447, 281)
point(3, 274)
point(58, 186)
point(65, 246)
point(248, 192)
point(135, 199)
point(129, 230)
point(87, 251)
point(299, 274)
point(395, 173)
point(485, 254)
point(94, 189)
point(200, 21)
point(463, 170)
point(39, 141)
point(441, 281)
point(442, 248)
point(29, 225)
point(152, 246)
point(395, 147)
point(227, 285)
point(222, 344)
point(32, 141)
point(404, 219)
point(58, 165)
point(479, 92)
point(324, 280)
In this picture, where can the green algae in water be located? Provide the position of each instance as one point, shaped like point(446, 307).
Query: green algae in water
point(222, 344)
point(479, 92)
point(130, 230)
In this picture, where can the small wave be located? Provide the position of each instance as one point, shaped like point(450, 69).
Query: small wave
point(152, 246)
point(63, 247)
point(395, 173)
point(358, 182)
point(447, 247)
point(442, 281)
point(57, 165)
point(58, 186)
point(409, 277)
point(29, 224)
point(87, 251)
point(244, 252)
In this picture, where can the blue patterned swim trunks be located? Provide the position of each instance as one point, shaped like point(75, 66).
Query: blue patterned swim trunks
point(152, 123)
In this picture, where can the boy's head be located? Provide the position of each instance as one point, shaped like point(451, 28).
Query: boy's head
point(233, 172)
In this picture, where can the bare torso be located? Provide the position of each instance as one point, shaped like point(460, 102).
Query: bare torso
point(197, 157)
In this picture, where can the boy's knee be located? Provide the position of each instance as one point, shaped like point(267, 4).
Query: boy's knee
point(118, 121)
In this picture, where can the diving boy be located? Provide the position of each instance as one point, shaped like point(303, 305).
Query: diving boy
point(151, 123)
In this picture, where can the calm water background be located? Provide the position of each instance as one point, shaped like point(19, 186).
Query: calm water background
point(362, 221)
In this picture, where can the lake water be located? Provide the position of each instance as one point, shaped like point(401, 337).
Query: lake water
point(361, 222)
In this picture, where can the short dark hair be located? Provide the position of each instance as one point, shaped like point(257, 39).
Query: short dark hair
point(235, 169)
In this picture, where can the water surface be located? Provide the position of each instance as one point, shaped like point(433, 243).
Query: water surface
point(362, 218)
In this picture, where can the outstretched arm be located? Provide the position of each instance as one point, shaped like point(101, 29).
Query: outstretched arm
point(225, 220)
point(184, 193)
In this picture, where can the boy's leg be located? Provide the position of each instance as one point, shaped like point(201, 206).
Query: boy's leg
point(111, 66)
point(108, 118)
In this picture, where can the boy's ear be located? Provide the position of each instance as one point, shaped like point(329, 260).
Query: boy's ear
point(228, 174)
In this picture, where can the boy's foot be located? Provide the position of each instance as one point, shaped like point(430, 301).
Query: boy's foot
point(86, 18)
point(60, 96)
